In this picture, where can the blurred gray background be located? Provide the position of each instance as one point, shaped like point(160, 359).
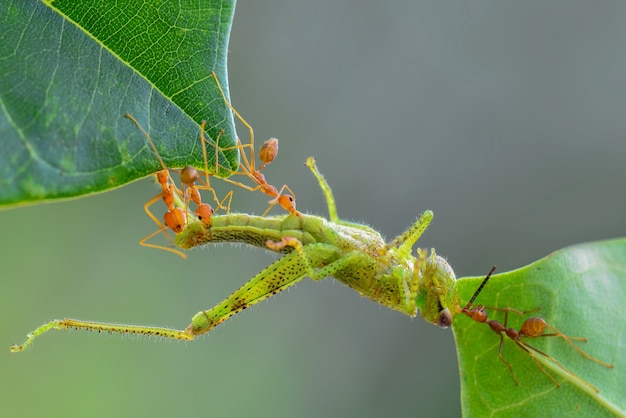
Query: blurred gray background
point(506, 119)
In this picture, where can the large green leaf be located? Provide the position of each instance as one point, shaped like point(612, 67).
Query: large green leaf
point(581, 291)
point(70, 70)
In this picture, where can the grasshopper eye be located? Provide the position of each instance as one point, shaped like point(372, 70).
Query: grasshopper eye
point(445, 319)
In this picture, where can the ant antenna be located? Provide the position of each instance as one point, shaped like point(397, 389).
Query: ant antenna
point(480, 288)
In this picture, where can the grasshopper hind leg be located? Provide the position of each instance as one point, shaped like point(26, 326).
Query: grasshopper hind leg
point(280, 275)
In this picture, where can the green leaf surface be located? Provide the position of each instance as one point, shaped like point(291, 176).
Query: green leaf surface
point(582, 292)
point(70, 70)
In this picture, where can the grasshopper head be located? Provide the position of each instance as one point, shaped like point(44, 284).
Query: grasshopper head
point(437, 297)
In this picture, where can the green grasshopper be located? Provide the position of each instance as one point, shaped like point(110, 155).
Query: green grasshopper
point(354, 254)
point(314, 247)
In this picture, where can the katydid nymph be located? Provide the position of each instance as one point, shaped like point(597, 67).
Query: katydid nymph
point(354, 254)
point(314, 247)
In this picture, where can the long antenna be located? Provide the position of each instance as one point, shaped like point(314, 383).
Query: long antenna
point(480, 288)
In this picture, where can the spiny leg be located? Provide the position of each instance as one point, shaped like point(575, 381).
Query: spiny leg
point(404, 242)
point(330, 200)
point(315, 261)
point(407, 239)
point(277, 277)
point(282, 274)
point(335, 261)
point(328, 193)
point(62, 324)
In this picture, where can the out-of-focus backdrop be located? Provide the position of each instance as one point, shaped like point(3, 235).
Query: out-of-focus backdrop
point(508, 120)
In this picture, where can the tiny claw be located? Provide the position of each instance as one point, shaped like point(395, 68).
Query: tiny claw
point(275, 245)
point(283, 243)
